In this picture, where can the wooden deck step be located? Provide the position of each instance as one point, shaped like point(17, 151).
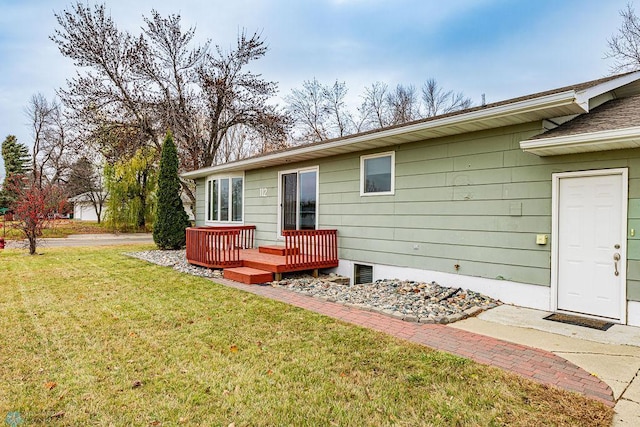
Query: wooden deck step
point(278, 250)
point(250, 276)
point(264, 265)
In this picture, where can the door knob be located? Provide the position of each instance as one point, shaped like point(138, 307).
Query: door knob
point(616, 258)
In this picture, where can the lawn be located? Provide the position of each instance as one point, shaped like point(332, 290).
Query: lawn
point(55, 228)
point(90, 336)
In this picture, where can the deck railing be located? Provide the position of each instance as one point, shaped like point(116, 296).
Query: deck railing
point(218, 247)
point(311, 248)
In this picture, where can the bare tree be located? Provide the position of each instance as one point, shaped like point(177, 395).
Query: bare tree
point(167, 60)
point(109, 94)
point(235, 145)
point(624, 46)
point(375, 108)
point(86, 180)
point(134, 87)
point(52, 140)
point(320, 111)
point(39, 112)
point(340, 118)
point(403, 104)
point(233, 96)
point(437, 101)
point(58, 148)
point(309, 111)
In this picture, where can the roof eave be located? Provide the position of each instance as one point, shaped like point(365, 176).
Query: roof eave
point(584, 97)
point(410, 133)
point(617, 139)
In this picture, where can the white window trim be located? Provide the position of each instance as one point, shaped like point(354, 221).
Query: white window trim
point(298, 171)
point(206, 198)
point(393, 174)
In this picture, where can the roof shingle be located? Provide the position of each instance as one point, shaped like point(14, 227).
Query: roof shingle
point(612, 115)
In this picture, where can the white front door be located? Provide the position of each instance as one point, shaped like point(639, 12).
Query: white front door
point(591, 248)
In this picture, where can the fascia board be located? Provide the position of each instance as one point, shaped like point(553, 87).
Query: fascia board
point(620, 138)
point(506, 110)
point(583, 96)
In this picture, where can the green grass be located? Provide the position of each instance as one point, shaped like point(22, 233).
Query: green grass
point(130, 343)
point(55, 228)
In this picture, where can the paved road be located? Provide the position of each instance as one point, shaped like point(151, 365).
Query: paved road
point(86, 240)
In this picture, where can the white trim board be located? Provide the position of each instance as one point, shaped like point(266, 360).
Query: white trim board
point(633, 313)
point(522, 294)
point(519, 294)
point(616, 139)
point(297, 171)
point(556, 177)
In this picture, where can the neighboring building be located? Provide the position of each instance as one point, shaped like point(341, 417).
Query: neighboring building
point(534, 200)
point(83, 209)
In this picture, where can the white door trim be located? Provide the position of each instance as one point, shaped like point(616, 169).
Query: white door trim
point(298, 171)
point(556, 177)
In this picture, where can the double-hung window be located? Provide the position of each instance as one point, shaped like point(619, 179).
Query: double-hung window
point(377, 174)
point(224, 199)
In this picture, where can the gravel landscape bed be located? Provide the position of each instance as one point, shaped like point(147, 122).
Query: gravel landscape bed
point(407, 300)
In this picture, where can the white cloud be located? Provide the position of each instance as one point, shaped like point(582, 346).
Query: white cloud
point(356, 41)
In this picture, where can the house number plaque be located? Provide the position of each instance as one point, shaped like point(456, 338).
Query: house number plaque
point(263, 192)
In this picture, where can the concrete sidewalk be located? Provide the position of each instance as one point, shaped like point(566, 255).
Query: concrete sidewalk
point(106, 239)
point(612, 355)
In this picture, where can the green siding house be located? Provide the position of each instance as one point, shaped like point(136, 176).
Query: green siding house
point(534, 200)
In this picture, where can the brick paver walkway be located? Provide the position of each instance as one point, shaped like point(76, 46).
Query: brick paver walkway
point(538, 365)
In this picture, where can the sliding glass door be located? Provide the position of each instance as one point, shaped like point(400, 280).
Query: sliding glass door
point(298, 200)
point(289, 201)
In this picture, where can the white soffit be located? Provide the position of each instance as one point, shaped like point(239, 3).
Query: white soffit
point(558, 104)
point(555, 105)
point(581, 143)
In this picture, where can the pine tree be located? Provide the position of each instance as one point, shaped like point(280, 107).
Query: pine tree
point(15, 155)
point(16, 160)
point(171, 219)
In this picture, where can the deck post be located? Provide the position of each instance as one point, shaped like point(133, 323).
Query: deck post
point(277, 276)
point(315, 273)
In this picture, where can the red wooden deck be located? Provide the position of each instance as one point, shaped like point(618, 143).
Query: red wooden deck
point(278, 263)
point(232, 249)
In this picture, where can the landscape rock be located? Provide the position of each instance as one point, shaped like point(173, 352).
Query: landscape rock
point(401, 299)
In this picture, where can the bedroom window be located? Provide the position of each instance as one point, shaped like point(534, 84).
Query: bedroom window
point(224, 199)
point(377, 174)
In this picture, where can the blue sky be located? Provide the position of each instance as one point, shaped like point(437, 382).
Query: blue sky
point(502, 48)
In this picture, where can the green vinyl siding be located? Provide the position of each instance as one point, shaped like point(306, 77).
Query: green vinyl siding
point(474, 200)
point(262, 210)
point(200, 204)
point(633, 242)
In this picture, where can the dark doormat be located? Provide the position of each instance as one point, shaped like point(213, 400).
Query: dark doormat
point(580, 321)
